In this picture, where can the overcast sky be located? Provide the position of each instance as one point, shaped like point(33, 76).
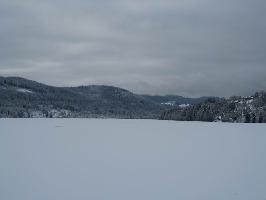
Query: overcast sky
point(185, 47)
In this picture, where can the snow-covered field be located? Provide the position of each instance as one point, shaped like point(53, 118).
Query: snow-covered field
point(96, 159)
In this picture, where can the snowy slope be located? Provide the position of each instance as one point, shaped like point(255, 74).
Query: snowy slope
point(64, 159)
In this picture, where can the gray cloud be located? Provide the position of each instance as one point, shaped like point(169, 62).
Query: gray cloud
point(192, 47)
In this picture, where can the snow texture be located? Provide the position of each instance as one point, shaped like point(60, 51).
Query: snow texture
point(184, 105)
point(23, 90)
point(169, 103)
point(66, 159)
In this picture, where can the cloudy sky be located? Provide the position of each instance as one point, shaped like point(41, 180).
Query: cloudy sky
point(185, 47)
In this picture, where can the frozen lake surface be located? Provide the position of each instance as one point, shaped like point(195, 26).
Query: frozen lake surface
point(95, 159)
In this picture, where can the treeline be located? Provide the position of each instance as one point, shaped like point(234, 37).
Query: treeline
point(250, 109)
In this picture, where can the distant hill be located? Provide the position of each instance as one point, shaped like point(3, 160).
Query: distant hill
point(251, 109)
point(20, 97)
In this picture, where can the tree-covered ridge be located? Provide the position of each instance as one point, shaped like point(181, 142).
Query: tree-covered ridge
point(24, 98)
point(235, 109)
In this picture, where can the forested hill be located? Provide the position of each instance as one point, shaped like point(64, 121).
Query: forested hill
point(22, 98)
point(251, 109)
point(25, 98)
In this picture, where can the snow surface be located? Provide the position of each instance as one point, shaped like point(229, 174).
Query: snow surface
point(99, 159)
point(169, 103)
point(23, 90)
point(184, 105)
